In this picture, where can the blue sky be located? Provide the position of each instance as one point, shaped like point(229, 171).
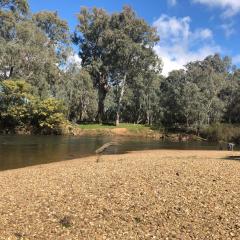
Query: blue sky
point(189, 29)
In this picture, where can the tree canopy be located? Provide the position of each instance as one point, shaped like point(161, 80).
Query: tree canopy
point(116, 78)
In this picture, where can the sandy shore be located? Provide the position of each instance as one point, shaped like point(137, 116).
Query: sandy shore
point(159, 194)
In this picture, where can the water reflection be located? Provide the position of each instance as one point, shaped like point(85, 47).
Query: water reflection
point(21, 151)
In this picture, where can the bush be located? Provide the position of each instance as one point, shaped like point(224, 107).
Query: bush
point(49, 116)
point(20, 109)
point(16, 103)
point(222, 132)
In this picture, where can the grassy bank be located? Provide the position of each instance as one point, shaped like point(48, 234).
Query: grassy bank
point(142, 195)
point(214, 133)
point(128, 126)
point(124, 129)
point(132, 130)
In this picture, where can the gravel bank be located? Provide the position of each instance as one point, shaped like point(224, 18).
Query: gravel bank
point(159, 194)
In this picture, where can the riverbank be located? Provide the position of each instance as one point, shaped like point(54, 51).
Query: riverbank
point(139, 195)
point(221, 133)
point(129, 130)
point(123, 130)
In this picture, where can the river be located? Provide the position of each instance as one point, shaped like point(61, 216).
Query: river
point(22, 151)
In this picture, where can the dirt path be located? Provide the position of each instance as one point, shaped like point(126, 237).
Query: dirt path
point(141, 195)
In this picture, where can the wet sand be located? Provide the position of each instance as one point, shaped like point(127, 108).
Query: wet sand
point(160, 194)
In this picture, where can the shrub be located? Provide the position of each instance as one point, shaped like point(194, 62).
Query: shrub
point(49, 116)
point(222, 132)
point(19, 108)
point(16, 103)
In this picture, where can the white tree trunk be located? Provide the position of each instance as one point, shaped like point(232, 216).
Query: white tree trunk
point(122, 89)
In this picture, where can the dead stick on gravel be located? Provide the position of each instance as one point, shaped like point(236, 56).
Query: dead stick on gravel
point(101, 150)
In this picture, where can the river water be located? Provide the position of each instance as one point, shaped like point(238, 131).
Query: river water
point(22, 151)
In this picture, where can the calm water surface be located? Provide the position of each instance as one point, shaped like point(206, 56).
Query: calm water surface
point(22, 151)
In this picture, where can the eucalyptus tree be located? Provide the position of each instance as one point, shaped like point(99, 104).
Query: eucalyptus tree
point(27, 57)
point(32, 47)
point(210, 76)
point(149, 97)
point(171, 91)
point(231, 95)
point(140, 103)
point(194, 97)
point(15, 6)
point(115, 48)
point(56, 29)
point(90, 35)
point(57, 42)
point(12, 12)
point(130, 43)
point(78, 93)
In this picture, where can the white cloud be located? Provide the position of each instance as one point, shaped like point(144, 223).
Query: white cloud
point(228, 29)
point(179, 44)
point(230, 7)
point(205, 33)
point(172, 2)
point(236, 59)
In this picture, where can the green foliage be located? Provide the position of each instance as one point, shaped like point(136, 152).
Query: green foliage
point(115, 49)
point(56, 30)
point(141, 100)
point(49, 115)
point(90, 35)
point(192, 98)
point(119, 77)
point(79, 95)
point(19, 108)
point(222, 132)
point(19, 6)
point(131, 41)
point(16, 103)
point(231, 96)
point(32, 47)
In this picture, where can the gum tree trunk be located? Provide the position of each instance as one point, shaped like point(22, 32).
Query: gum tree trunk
point(102, 92)
point(120, 100)
point(101, 99)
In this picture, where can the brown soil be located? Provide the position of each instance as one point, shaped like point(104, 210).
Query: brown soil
point(160, 194)
point(120, 131)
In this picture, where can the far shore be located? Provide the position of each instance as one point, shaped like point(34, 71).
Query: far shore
point(132, 130)
point(123, 130)
point(155, 194)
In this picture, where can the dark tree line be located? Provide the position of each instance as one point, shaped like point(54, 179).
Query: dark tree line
point(119, 78)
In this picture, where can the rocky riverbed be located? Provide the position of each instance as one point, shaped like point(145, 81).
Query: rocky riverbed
point(162, 194)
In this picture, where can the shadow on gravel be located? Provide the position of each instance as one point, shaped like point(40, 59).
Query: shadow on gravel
point(235, 158)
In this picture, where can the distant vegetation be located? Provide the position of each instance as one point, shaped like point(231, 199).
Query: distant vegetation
point(118, 80)
point(222, 133)
point(20, 109)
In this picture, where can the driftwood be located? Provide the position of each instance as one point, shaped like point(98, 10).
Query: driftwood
point(104, 147)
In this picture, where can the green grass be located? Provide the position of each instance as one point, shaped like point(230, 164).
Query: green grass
point(94, 126)
point(134, 127)
point(129, 126)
